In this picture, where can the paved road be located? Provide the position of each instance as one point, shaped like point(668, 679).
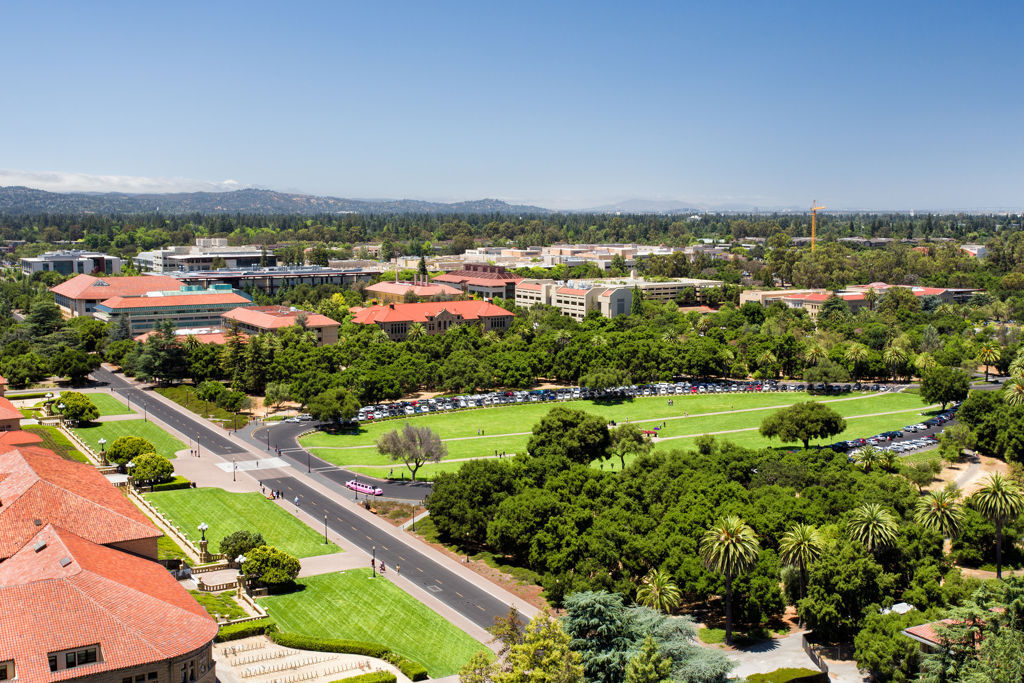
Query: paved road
point(284, 435)
point(464, 597)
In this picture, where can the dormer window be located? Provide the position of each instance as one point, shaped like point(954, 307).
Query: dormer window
point(7, 672)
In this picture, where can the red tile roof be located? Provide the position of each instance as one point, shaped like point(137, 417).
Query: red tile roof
point(40, 485)
point(18, 437)
point(422, 312)
point(532, 286)
point(212, 299)
point(7, 410)
point(572, 290)
point(201, 337)
point(73, 593)
point(926, 632)
point(98, 289)
point(275, 317)
point(479, 275)
point(402, 288)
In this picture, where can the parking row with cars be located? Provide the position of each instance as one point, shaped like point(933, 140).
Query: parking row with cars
point(911, 438)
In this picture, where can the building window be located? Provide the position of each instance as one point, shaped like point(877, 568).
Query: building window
point(73, 658)
point(6, 670)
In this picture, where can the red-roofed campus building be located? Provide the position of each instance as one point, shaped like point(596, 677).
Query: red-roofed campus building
point(434, 317)
point(80, 295)
point(400, 292)
point(81, 597)
point(486, 280)
point(256, 319)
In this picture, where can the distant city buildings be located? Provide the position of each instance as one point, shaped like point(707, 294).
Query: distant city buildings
point(855, 296)
point(274, 279)
point(71, 262)
point(433, 317)
point(486, 280)
point(204, 255)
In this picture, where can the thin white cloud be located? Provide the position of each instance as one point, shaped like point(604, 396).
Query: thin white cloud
point(61, 181)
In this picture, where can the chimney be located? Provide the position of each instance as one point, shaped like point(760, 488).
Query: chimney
point(391, 306)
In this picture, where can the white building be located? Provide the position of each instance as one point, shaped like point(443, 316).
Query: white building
point(203, 255)
point(71, 262)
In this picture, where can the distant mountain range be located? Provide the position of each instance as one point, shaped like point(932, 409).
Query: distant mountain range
point(14, 200)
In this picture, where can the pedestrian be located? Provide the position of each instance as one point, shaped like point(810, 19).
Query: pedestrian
point(296, 501)
point(383, 567)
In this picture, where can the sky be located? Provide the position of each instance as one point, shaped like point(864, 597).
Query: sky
point(567, 105)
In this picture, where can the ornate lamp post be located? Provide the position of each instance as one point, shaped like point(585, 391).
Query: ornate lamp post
point(130, 466)
point(103, 450)
point(204, 555)
point(325, 528)
point(373, 562)
point(241, 576)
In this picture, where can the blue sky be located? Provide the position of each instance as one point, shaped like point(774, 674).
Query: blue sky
point(901, 105)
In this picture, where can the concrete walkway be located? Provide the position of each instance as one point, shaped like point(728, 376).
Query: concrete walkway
point(771, 654)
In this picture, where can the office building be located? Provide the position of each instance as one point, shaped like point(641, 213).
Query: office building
point(71, 262)
point(433, 317)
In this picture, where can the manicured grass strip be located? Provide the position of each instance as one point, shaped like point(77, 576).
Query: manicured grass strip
point(185, 396)
point(711, 636)
point(166, 445)
point(57, 442)
point(353, 605)
point(426, 473)
point(468, 448)
point(222, 604)
point(108, 404)
point(227, 513)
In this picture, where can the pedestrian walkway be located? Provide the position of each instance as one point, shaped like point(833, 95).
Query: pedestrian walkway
point(769, 655)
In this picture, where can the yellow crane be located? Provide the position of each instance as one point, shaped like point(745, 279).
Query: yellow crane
point(814, 221)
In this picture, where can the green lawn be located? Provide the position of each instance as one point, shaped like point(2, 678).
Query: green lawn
point(351, 604)
point(108, 404)
point(166, 445)
point(504, 425)
point(222, 604)
point(227, 513)
point(57, 442)
point(185, 396)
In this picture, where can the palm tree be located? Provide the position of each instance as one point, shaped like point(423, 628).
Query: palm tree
point(888, 461)
point(895, 357)
point(1013, 393)
point(415, 332)
point(999, 501)
point(869, 457)
point(856, 354)
point(924, 361)
point(1017, 365)
point(730, 548)
point(765, 360)
point(872, 526)
point(941, 511)
point(815, 353)
point(988, 354)
point(658, 591)
point(799, 547)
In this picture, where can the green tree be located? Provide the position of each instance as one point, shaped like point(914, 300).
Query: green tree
point(127, 448)
point(658, 591)
point(882, 648)
point(74, 364)
point(240, 543)
point(989, 354)
point(944, 385)
point(337, 403)
point(599, 379)
point(573, 435)
point(869, 458)
point(856, 354)
point(276, 394)
point(414, 446)
point(24, 369)
point(543, 656)
point(464, 502)
point(270, 566)
point(151, 468)
point(76, 407)
point(872, 526)
point(44, 317)
point(803, 422)
point(648, 666)
point(422, 267)
point(636, 306)
point(800, 547)
point(628, 439)
point(954, 440)
point(729, 548)
point(999, 501)
point(121, 330)
point(941, 511)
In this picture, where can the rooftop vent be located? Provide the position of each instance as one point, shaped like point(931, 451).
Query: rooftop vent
point(37, 521)
point(65, 561)
point(40, 545)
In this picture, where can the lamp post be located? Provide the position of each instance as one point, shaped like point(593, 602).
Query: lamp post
point(234, 469)
point(204, 555)
point(373, 562)
point(308, 468)
point(130, 465)
point(103, 450)
point(241, 575)
point(325, 528)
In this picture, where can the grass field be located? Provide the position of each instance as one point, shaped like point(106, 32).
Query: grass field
point(227, 513)
point(507, 427)
point(222, 604)
point(56, 442)
point(108, 404)
point(166, 445)
point(351, 604)
point(185, 396)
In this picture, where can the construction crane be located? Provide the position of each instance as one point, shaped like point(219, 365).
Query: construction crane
point(814, 221)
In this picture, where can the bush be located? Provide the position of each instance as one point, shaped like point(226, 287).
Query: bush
point(152, 468)
point(786, 675)
point(126, 448)
point(414, 671)
point(375, 677)
point(173, 485)
point(270, 566)
point(246, 629)
point(240, 543)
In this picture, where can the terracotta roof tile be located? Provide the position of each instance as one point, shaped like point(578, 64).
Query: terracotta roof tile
point(402, 288)
point(275, 317)
point(421, 312)
point(212, 299)
point(7, 410)
point(98, 289)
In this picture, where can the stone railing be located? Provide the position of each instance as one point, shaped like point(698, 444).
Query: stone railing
point(81, 445)
point(175, 532)
point(212, 567)
point(812, 652)
point(214, 587)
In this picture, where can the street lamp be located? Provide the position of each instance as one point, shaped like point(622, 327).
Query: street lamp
point(103, 449)
point(203, 526)
point(241, 560)
point(373, 562)
point(234, 469)
point(130, 465)
point(325, 528)
point(307, 462)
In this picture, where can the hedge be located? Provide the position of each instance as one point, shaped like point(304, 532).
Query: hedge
point(246, 629)
point(414, 671)
point(789, 676)
point(173, 485)
point(375, 677)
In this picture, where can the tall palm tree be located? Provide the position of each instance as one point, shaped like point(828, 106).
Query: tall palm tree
point(765, 360)
point(924, 361)
point(999, 501)
point(1017, 365)
point(815, 353)
point(658, 591)
point(988, 354)
point(799, 547)
point(872, 526)
point(415, 332)
point(1013, 392)
point(888, 461)
point(894, 357)
point(730, 548)
point(869, 457)
point(856, 354)
point(941, 511)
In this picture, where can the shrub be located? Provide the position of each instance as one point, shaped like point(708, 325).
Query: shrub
point(240, 543)
point(152, 468)
point(270, 566)
point(246, 629)
point(789, 675)
point(375, 677)
point(173, 485)
point(126, 448)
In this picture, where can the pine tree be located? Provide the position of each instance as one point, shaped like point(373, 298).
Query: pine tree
point(122, 330)
point(423, 266)
point(648, 665)
point(637, 306)
point(234, 354)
